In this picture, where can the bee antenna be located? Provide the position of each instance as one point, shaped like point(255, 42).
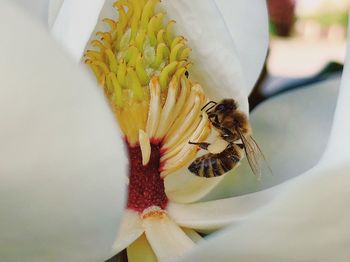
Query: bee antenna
point(210, 102)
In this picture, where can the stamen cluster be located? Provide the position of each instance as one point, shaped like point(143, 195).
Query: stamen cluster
point(136, 47)
point(142, 68)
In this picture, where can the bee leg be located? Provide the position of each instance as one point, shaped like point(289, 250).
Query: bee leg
point(202, 145)
point(216, 125)
point(227, 134)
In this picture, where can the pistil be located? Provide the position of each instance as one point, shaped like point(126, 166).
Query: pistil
point(146, 186)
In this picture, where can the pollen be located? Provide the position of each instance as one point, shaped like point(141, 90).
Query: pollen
point(153, 211)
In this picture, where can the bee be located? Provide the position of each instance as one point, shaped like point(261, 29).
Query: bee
point(225, 153)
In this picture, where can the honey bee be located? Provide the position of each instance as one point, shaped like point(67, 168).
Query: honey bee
point(224, 154)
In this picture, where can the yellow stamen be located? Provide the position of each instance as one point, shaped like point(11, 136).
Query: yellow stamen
point(168, 32)
point(154, 108)
point(175, 51)
point(118, 93)
point(177, 40)
point(166, 73)
point(148, 12)
point(141, 66)
point(140, 70)
point(140, 39)
point(112, 24)
point(135, 84)
point(145, 147)
point(165, 116)
point(160, 36)
point(162, 52)
point(185, 53)
point(121, 74)
point(94, 55)
point(113, 64)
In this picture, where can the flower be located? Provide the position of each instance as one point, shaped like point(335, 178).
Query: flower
point(145, 72)
point(62, 217)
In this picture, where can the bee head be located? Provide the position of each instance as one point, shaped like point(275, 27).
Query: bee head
point(226, 105)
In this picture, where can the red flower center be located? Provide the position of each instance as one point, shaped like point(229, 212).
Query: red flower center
point(146, 187)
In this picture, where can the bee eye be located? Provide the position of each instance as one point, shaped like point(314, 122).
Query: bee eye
point(220, 107)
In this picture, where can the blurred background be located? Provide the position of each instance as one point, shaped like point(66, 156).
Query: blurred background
point(303, 30)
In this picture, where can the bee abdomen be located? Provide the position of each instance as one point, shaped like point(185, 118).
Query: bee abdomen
point(212, 165)
point(217, 168)
point(202, 166)
point(207, 170)
point(227, 164)
point(195, 166)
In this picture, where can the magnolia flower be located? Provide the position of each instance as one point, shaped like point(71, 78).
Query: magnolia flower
point(60, 236)
point(142, 67)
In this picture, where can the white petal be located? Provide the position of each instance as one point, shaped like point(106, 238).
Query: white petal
point(247, 22)
point(130, 229)
point(184, 187)
point(216, 62)
point(38, 9)
point(141, 251)
point(61, 159)
point(212, 215)
point(54, 9)
point(192, 234)
point(167, 239)
point(292, 130)
point(75, 23)
point(339, 143)
point(308, 221)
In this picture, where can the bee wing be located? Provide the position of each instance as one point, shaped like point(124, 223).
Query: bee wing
point(254, 154)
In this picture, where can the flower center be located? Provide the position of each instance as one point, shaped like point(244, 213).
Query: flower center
point(146, 186)
point(143, 69)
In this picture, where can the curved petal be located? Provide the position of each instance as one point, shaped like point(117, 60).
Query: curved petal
point(212, 215)
point(291, 147)
point(193, 235)
point(167, 239)
point(38, 9)
point(184, 187)
point(54, 9)
point(61, 159)
point(309, 221)
point(130, 229)
point(141, 251)
point(251, 39)
point(216, 62)
point(75, 23)
point(338, 148)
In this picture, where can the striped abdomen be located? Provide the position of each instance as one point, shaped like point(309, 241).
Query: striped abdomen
point(211, 165)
